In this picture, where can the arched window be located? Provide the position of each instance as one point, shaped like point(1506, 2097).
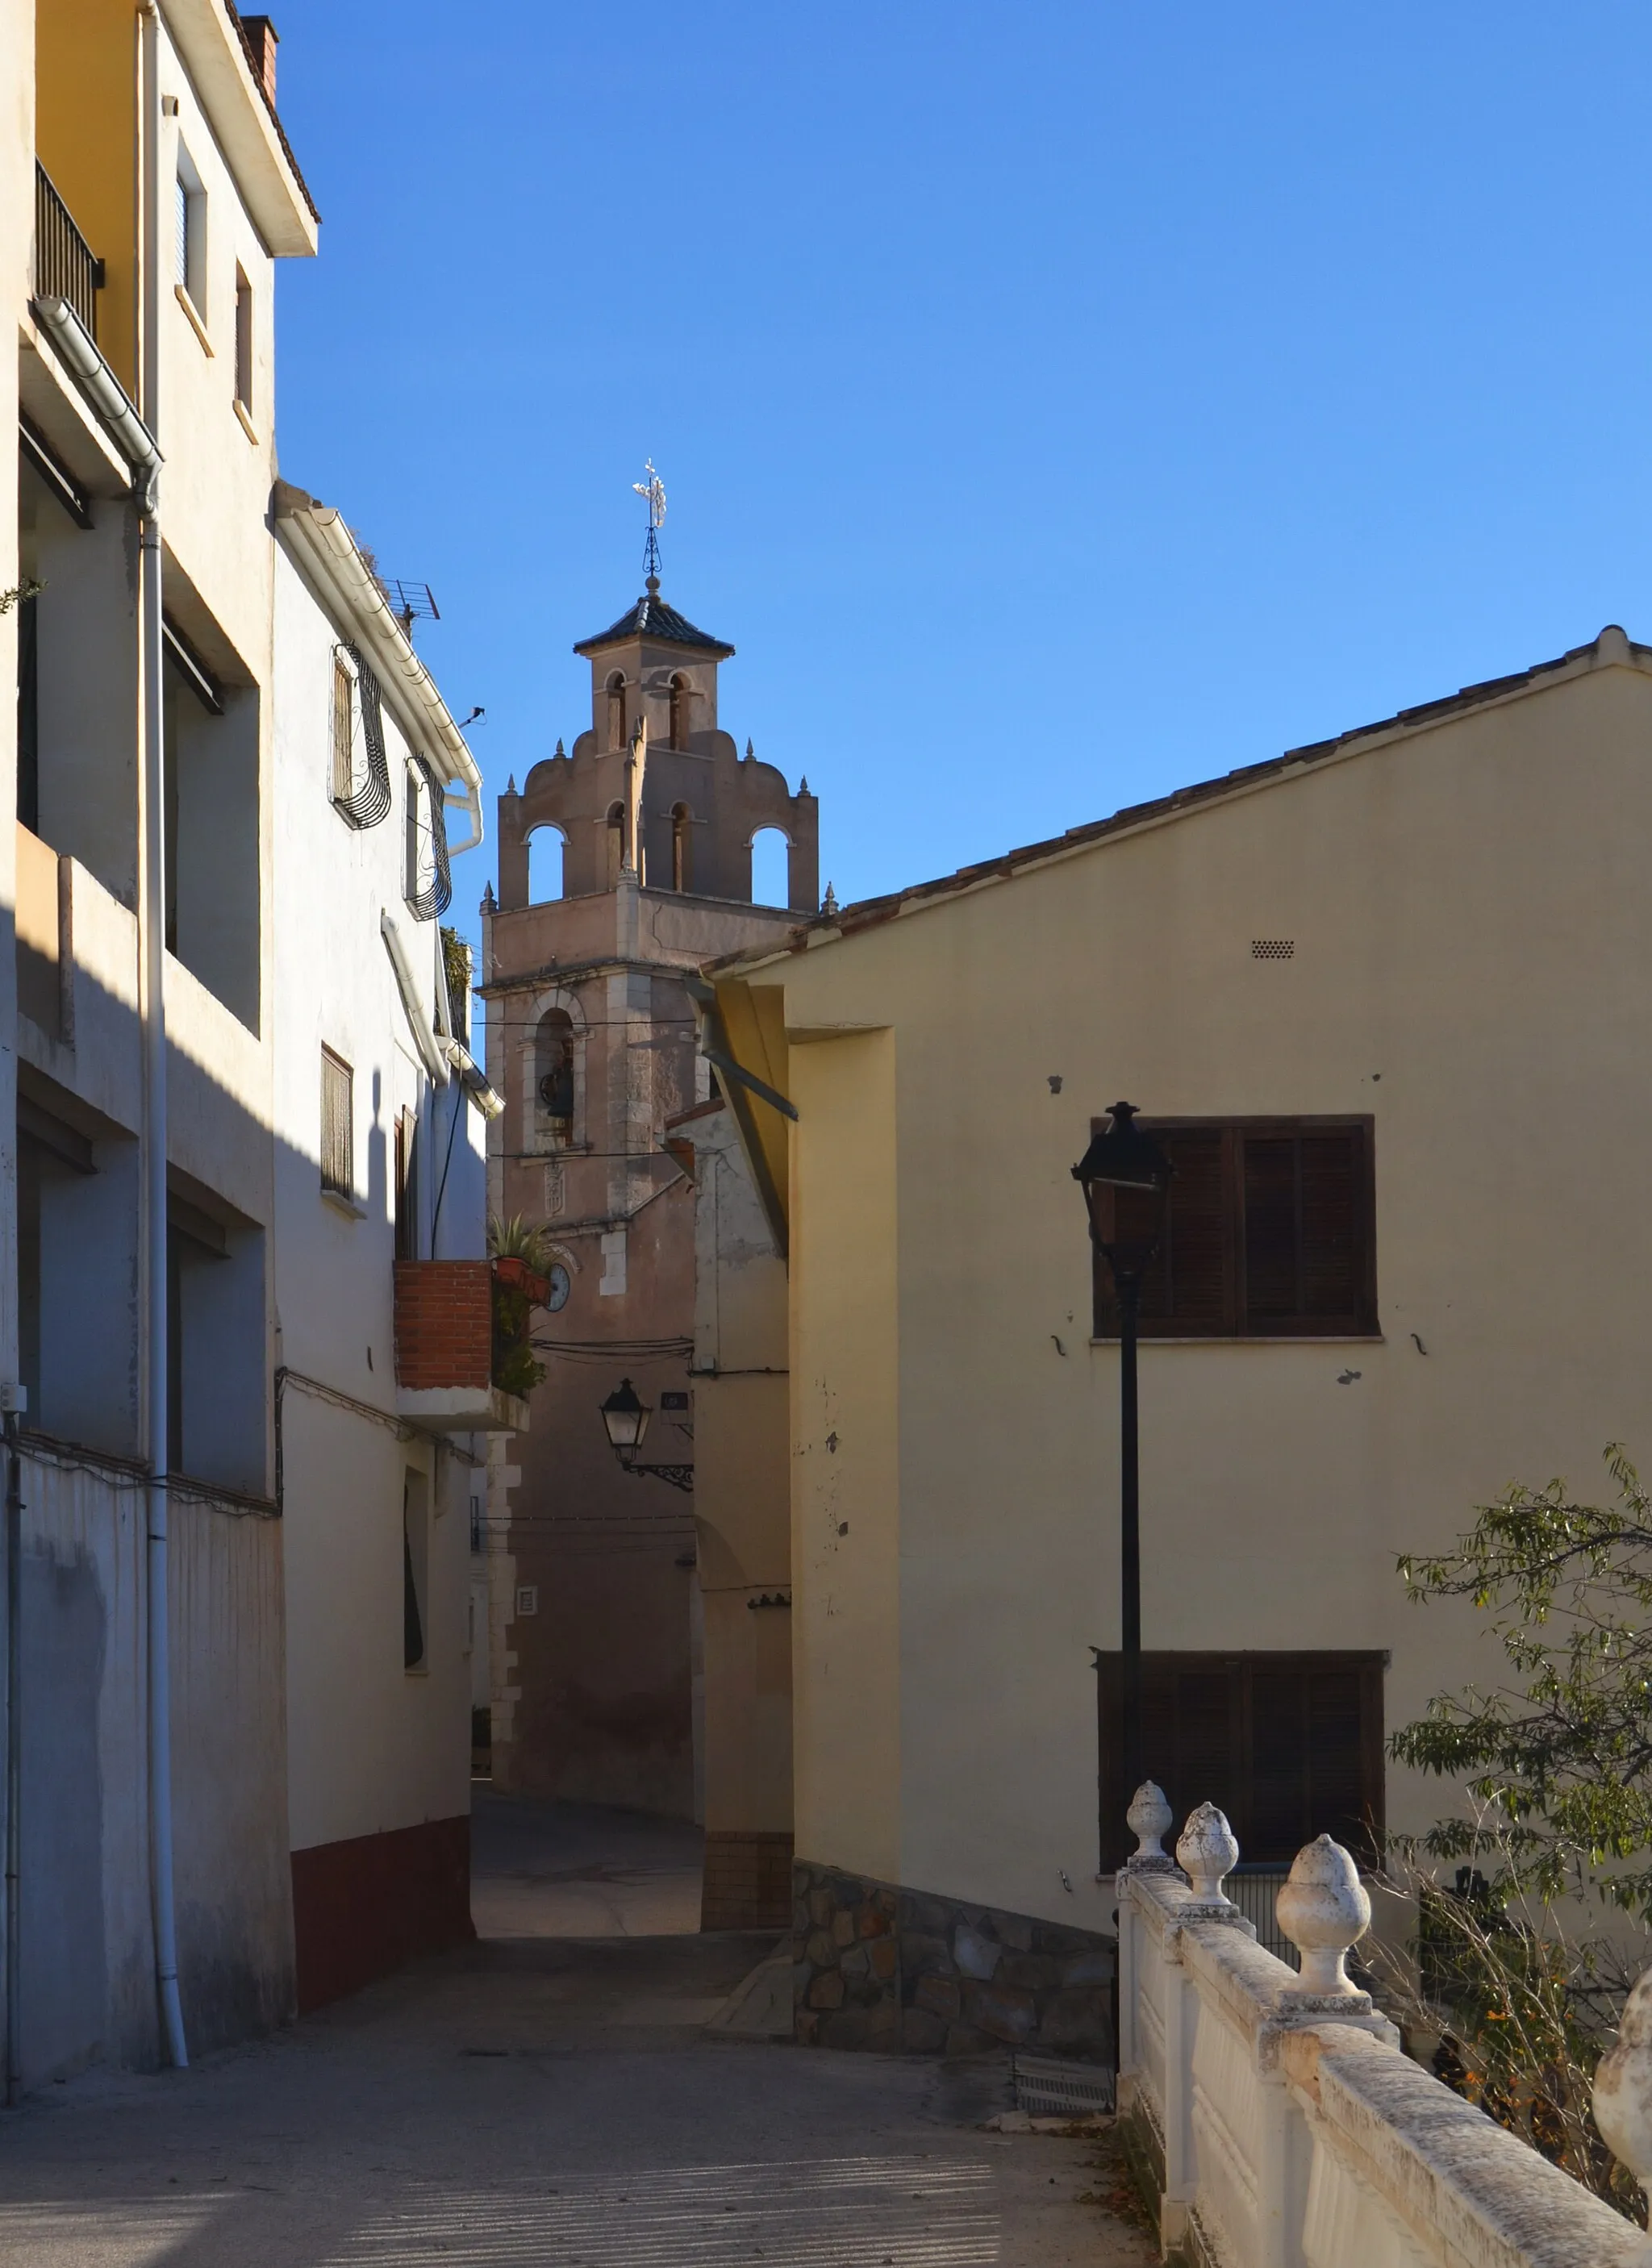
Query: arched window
point(678, 711)
point(615, 843)
point(771, 884)
point(616, 710)
point(545, 849)
point(553, 1074)
point(681, 845)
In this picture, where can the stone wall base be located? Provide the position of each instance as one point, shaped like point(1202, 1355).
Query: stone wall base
point(748, 1880)
point(878, 1966)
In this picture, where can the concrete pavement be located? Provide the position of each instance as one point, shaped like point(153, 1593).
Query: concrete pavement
point(546, 2099)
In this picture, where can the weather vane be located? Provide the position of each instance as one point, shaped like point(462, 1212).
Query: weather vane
point(653, 491)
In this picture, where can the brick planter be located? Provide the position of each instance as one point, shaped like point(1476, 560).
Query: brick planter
point(444, 1324)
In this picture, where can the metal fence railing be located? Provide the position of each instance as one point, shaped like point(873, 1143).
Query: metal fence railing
point(65, 266)
point(1253, 1890)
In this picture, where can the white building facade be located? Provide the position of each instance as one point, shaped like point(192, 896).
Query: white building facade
point(212, 1565)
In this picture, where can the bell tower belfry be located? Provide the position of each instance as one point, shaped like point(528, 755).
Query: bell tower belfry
point(702, 802)
point(593, 1042)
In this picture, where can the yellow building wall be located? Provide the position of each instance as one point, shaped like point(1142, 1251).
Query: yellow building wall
point(86, 66)
point(1473, 935)
point(846, 1529)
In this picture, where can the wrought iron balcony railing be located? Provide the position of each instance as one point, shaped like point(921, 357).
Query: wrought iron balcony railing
point(65, 266)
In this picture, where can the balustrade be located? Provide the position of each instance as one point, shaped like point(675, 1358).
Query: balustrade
point(1276, 2114)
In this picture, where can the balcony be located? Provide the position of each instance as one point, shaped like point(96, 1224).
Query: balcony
point(65, 266)
point(445, 1349)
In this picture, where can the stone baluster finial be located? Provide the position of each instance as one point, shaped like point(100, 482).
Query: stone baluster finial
point(1148, 1819)
point(1323, 1910)
point(1206, 1852)
point(1623, 2086)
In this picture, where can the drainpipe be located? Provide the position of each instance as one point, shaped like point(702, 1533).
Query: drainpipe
point(153, 915)
point(14, 1761)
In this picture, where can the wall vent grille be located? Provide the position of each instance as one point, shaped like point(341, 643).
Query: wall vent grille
point(1273, 948)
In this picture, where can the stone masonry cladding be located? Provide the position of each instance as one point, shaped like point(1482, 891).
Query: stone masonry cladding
point(876, 1966)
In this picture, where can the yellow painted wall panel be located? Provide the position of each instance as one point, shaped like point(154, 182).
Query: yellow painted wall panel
point(845, 1432)
point(86, 61)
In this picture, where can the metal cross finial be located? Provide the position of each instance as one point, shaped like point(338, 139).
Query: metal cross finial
point(653, 491)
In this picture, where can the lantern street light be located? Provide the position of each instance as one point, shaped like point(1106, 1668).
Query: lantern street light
point(1125, 1177)
point(625, 1416)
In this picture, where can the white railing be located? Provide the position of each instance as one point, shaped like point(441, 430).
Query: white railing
point(1284, 2127)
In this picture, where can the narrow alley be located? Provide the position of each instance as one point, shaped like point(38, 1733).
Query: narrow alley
point(566, 2090)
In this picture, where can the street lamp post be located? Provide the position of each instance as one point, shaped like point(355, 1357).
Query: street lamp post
point(625, 1416)
point(1125, 1177)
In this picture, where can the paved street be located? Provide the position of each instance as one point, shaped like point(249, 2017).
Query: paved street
point(548, 2098)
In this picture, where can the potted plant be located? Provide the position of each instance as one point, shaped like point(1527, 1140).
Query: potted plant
point(521, 1259)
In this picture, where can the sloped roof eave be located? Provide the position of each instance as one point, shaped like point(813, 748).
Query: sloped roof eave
point(869, 913)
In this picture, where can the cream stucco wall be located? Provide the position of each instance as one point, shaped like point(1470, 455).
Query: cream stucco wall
point(1472, 938)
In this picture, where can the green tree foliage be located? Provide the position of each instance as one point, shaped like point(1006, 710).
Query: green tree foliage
point(1558, 1763)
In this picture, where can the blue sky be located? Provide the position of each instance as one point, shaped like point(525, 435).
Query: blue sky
point(1056, 403)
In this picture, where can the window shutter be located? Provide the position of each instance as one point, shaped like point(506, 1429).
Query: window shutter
point(1332, 1189)
point(1338, 1798)
point(338, 1138)
point(1188, 1286)
point(1271, 1227)
point(1278, 1808)
point(1304, 1230)
point(1288, 1745)
point(344, 722)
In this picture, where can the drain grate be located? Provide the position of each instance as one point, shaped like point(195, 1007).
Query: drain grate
point(1048, 2086)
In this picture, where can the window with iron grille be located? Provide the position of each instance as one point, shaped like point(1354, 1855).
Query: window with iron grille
point(343, 728)
point(338, 1133)
point(1268, 1233)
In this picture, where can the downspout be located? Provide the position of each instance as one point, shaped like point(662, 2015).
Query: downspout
point(14, 1761)
point(153, 914)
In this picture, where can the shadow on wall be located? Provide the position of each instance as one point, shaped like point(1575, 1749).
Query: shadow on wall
point(65, 1968)
point(85, 1913)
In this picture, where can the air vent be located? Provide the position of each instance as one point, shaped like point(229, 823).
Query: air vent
point(1273, 948)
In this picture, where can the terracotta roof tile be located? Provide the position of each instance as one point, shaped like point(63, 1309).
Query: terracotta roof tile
point(868, 911)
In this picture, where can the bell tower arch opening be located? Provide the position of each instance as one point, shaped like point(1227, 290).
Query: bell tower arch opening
point(681, 695)
point(547, 846)
point(616, 710)
point(682, 847)
point(770, 850)
point(553, 1076)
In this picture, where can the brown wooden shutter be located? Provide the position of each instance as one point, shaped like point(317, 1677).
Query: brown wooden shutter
point(1271, 1228)
point(1306, 1230)
point(1189, 1288)
point(1332, 1254)
point(1288, 1745)
point(1267, 1233)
